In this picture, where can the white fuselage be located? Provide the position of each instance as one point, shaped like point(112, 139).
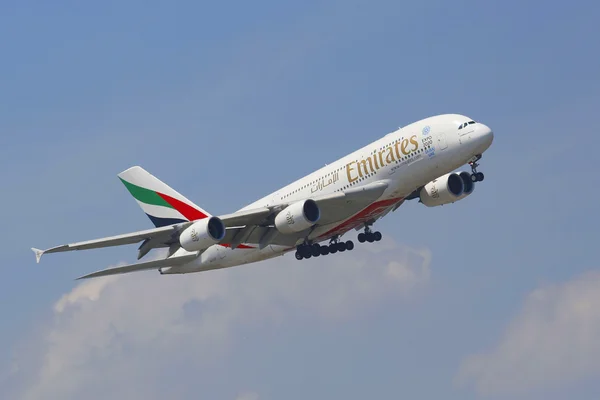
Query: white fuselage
point(405, 159)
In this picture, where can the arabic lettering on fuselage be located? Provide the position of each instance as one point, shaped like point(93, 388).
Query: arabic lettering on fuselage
point(324, 181)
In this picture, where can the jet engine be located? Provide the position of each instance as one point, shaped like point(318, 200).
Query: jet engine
point(202, 234)
point(297, 217)
point(447, 189)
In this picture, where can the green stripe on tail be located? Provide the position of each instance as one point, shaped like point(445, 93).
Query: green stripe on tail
point(145, 195)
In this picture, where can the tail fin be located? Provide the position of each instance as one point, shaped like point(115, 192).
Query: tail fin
point(163, 205)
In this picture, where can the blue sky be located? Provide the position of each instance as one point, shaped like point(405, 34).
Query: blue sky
point(491, 297)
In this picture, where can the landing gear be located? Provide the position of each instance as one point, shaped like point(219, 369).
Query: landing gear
point(307, 250)
point(315, 250)
point(304, 251)
point(476, 176)
point(369, 236)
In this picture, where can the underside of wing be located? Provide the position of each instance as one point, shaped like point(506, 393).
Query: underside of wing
point(168, 262)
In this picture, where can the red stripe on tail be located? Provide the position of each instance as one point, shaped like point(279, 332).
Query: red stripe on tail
point(186, 210)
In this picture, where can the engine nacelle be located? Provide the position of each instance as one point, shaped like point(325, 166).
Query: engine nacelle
point(446, 189)
point(202, 234)
point(297, 217)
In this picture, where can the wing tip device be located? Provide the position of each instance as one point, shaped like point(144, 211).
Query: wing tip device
point(38, 254)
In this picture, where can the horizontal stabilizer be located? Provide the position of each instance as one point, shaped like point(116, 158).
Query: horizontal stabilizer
point(167, 262)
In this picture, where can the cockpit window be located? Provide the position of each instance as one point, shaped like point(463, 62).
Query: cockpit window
point(463, 125)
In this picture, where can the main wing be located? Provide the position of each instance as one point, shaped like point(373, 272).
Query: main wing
point(164, 236)
point(247, 226)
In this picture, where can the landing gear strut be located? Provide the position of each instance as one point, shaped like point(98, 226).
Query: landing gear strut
point(476, 176)
point(369, 236)
point(307, 250)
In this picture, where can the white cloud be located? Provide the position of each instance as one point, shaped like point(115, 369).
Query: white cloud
point(116, 336)
point(552, 342)
point(89, 290)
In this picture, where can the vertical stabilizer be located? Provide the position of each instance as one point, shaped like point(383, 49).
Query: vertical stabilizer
point(162, 204)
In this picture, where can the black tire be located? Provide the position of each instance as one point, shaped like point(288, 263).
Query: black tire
point(480, 176)
point(370, 237)
point(306, 251)
point(324, 250)
point(341, 246)
point(298, 256)
point(315, 250)
point(349, 245)
point(377, 236)
point(473, 177)
point(361, 237)
point(333, 249)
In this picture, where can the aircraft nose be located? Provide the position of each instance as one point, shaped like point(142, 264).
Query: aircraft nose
point(486, 135)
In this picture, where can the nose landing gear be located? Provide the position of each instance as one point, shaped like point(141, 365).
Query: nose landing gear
point(476, 176)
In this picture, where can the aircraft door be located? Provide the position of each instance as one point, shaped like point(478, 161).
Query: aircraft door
point(442, 143)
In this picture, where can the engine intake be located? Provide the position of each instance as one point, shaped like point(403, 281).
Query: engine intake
point(298, 217)
point(202, 234)
point(443, 190)
point(468, 183)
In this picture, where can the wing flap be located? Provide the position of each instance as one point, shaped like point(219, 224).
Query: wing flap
point(246, 217)
point(156, 264)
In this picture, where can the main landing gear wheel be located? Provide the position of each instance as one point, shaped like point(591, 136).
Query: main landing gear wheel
point(476, 176)
point(315, 250)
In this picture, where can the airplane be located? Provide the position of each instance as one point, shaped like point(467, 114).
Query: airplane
point(310, 215)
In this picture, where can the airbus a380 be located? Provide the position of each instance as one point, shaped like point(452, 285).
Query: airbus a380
point(311, 215)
